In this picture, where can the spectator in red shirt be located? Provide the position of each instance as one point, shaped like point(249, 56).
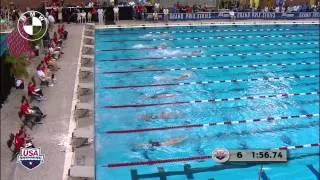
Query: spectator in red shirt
point(19, 141)
point(65, 32)
point(56, 39)
point(28, 112)
point(62, 32)
point(137, 10)
point(94, 11)
point(188, 9)
point(28, 142)
point(35, 92)
point(60, 29)
point(140, 6)
point(50, 62)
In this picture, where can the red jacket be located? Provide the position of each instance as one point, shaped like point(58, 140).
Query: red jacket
point(24, 108)
point(60, 29)
point(18, 142)
point(31, 89)
point(46, 58)
point(93, 11)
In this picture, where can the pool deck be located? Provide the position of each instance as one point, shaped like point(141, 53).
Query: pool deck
point(52, 135)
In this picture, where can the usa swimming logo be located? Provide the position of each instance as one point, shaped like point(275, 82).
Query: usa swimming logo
point(221, 155)
point(30, 158)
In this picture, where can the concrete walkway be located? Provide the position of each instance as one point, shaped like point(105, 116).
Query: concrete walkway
point(51, 136)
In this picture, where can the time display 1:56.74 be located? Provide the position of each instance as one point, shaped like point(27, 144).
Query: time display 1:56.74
point(258, 155)
point(267, 154)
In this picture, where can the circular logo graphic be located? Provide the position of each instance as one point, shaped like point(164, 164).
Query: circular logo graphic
point(220, 155)
point(32, 25)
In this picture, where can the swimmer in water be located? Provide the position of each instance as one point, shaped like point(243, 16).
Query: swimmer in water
point(162, 115)
point(182, 76)
point(196, 52)
point(145, 67)
point(162, 46)
point(161, 95)
point(168, 142)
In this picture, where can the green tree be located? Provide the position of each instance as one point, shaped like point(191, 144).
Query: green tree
point(18, 65)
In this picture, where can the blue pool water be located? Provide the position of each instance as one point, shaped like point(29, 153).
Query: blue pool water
point(185, 64)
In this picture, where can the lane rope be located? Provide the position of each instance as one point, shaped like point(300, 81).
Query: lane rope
point(172, 160)
point(213, 37)
point(211, 67)
point(212, 55)
point(212, 100)
point(268, 119)
point(213, 82)
point(212, 46)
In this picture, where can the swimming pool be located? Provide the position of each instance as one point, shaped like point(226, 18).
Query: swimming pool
point(237, 87)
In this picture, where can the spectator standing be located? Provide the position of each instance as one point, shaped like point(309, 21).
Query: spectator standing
point(60, 18)
point(178, 6)
point(78, 16)
point(116, 14)
point(157, 7)
point(232, 15)
point(83, 17)
point(166, 14)
point(134, 13)
point(100, 16)
point(89, 16)
point(136, 9)
point(155, 16)
point(51, 21)
point(94, 14)
point(139, 9)
point(145, 13)
point(133, 6)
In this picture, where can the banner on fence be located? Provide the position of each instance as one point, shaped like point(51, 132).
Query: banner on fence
point(242, 15)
